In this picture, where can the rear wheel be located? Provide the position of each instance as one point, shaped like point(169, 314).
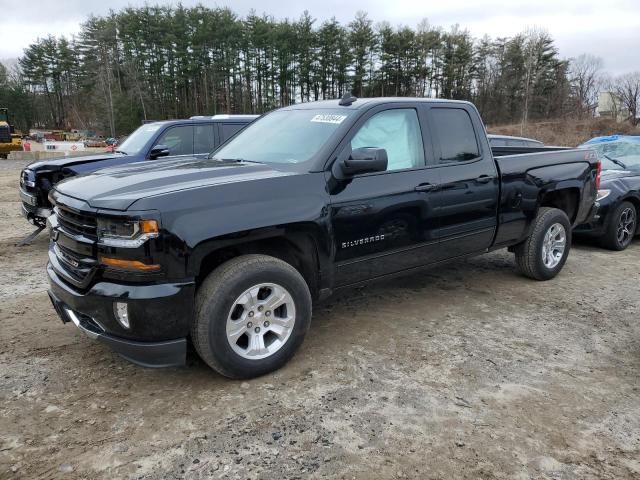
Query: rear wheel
point(543, 254)
point(252, 314)
point(621, 228)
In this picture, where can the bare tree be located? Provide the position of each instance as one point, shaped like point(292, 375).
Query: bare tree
point(537, 51)
point(626, 88)
point(585, 76)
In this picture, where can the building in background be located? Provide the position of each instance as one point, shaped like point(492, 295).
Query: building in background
point(611, 106)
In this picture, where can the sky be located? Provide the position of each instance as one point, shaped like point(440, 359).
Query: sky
point(609, 29)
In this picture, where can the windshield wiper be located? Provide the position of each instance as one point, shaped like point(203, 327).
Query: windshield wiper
point(615, 160)
point(232, 160)
point(120, 151)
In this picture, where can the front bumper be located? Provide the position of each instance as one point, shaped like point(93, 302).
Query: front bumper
point(33, 212)
point(160, 317)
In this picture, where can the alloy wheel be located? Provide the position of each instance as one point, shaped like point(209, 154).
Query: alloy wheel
point(554, 245)
point(626, 226)
point(261, 321)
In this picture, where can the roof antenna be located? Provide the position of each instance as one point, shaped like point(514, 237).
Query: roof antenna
point(347, 99)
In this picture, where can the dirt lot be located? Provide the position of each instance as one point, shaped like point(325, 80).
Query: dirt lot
point(466, 372)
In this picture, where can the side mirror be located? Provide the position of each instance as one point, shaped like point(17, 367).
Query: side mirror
point(364, 160)
point(158, 151)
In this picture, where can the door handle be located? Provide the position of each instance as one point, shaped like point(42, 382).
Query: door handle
point(484, 179)
point(425, 187)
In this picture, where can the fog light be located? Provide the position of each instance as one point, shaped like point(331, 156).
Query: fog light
point(121, 311)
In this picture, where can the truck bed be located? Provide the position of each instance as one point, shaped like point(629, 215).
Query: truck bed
point(503, 151)
point(547, 156)
point(526, 178)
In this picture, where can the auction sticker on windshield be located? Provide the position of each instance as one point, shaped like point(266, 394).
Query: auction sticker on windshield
point(325, 118)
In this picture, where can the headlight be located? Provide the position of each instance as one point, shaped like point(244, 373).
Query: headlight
point(27, 178)
point(602, 194)
point(126, 233)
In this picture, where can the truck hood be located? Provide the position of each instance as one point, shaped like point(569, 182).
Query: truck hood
point(118, 188)
point(56, 164)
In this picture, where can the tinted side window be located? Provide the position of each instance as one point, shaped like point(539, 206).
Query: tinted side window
point(203, 141)
point(455, 134)
point(178, 139)
point(398, 132)
point(228, 130)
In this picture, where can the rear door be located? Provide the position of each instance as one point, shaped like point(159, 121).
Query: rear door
point(383, 222)
point(203, 139)
point(226, 130)
point(466, 203)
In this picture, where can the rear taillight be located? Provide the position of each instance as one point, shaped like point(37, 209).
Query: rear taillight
point(598, 173)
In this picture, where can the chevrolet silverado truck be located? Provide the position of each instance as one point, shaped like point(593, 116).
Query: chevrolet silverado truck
point(196, 136)
point(231, 252)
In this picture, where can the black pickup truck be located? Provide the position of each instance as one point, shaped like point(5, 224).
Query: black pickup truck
point(195, 136)
point(231, 251)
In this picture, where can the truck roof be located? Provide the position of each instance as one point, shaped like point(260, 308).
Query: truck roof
point(358, 103)
point(207, 119)
point(225, 117)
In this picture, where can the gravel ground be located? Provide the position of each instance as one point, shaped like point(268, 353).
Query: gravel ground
point(7, 167)
point(466, 372)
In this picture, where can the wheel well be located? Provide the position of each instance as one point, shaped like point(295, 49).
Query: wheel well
point(298, 251)
point(566, 200)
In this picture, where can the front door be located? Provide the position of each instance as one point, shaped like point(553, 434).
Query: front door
point(384, 222)
point(178, 139)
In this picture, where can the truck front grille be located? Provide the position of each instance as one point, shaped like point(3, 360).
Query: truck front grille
point(78, 268)
point(77, 223)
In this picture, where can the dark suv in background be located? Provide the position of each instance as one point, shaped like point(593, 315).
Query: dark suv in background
point(509, 141)
point(197, 136)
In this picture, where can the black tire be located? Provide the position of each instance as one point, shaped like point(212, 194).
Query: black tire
point(611, 239)
point(217, 295)
point(529, 254)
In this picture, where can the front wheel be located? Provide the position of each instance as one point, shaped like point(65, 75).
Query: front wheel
point(252, 314)
point(621, 227)
point(543, 254)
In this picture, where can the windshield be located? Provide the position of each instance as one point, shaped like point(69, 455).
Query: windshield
point(617, 155)
point(285, 136)
point(138, 139)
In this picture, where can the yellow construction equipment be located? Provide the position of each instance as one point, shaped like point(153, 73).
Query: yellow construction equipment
point(9, 139)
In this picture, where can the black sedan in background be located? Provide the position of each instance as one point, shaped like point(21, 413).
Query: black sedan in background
point(617, 206)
